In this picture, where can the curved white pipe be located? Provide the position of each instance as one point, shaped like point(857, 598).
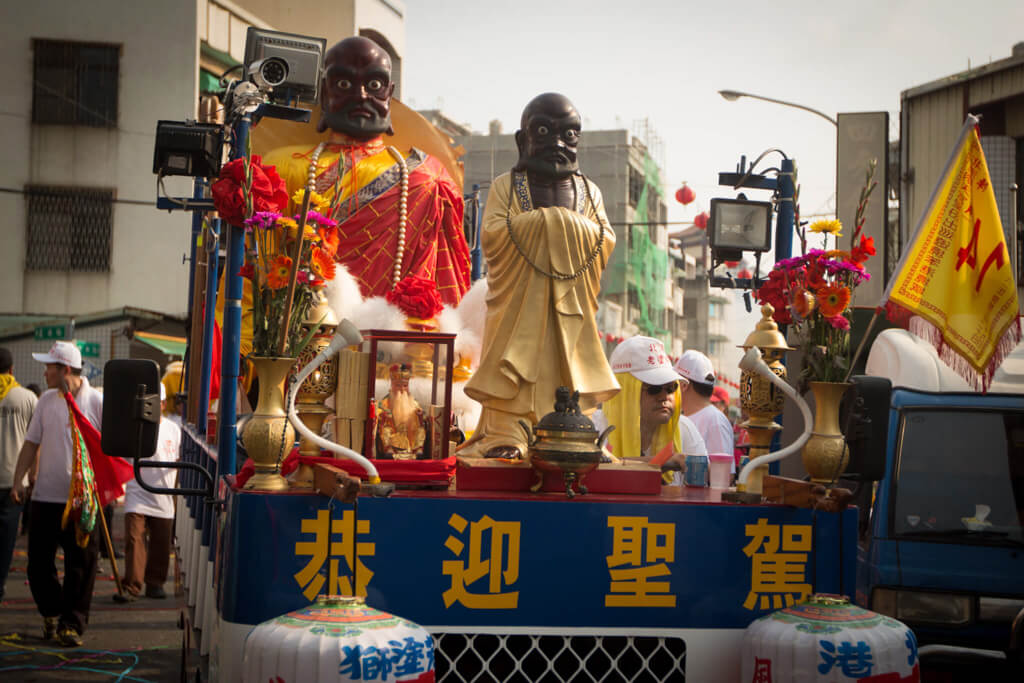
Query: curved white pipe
point(345, 335)
point(752, 362)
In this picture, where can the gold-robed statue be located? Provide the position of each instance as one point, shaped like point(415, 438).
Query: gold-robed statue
point(546, 239)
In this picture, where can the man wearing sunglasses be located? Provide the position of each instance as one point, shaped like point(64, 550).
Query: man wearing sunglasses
point(646, 412)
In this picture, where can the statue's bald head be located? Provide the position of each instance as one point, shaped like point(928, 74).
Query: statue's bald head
point(356, 89)
point(548, 136)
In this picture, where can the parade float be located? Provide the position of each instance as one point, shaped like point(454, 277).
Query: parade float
point(346, 292)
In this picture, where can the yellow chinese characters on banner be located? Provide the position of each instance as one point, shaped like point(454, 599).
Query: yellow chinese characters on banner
point(334, 541)
point(489, 563)
point(956, 274)
point(778, 571)
point(641, 552)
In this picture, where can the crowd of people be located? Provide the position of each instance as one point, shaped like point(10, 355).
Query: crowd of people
point(37, 450)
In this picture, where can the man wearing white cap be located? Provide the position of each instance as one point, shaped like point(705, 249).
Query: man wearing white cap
point(714, 427)
point(65, 609)
point(646, 413)
point(152, 514)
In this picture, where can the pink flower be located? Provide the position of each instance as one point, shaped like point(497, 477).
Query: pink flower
point(839, 322)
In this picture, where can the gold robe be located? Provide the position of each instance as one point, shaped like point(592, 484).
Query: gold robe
point(539, 332)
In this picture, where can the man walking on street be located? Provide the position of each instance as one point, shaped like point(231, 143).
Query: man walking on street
point(152, 514)
point(16, 406)
point(65, 609)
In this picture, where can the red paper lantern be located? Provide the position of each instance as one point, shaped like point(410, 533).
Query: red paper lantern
point(731, 264)
point(685, 194)
point(745, 273)
point(701, 220)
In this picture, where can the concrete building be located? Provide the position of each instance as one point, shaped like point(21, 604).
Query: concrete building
point(90, 81)
point(641, 290)
point(932, 114)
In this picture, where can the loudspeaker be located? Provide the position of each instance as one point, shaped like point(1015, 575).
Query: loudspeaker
point(131, 422)
point(864, 418)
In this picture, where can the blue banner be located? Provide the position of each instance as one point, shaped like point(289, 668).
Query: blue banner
point(447, 560)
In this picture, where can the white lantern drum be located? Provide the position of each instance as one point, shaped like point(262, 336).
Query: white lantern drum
point(338, 639)
point(825, 638)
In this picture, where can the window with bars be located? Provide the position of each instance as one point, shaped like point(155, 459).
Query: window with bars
point(69, 228)
point(75, 83)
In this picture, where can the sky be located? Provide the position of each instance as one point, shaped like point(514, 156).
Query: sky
point(622, 62)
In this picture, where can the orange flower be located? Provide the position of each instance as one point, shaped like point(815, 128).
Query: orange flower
point(330, 238)
point(280, 272)
point(833, 300)
point(322, 264)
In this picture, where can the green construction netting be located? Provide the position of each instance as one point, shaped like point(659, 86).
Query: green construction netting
point(648, 263)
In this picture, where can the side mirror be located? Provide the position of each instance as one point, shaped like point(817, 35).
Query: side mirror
point(131, 408)
point(864, 416)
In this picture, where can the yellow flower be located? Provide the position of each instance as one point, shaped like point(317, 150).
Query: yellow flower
point(829, 226)
point(288, 223)
point(316, 200)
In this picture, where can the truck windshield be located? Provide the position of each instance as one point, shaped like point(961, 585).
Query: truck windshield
point(960, 476)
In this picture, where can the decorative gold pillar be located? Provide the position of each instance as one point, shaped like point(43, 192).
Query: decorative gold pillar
point(758, 396)
point(319, 386)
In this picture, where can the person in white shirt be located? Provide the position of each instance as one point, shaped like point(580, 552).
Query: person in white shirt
point(714, 427)
point(151, 514)
point(646, 414)
point(65, 609)
point(16, 406)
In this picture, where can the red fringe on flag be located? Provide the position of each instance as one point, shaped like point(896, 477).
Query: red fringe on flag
point(981, 381)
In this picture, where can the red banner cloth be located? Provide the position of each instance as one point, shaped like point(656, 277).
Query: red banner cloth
point(397, 471)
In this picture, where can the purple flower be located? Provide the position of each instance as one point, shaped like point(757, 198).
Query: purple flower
point(319, 219)
point(262, 220)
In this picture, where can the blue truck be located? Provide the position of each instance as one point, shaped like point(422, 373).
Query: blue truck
point(941, 545)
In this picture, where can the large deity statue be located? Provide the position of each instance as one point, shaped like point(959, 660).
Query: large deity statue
point(546, 239)
point(400, 213)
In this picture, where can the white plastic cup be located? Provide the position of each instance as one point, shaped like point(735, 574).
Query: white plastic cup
point(721, 466)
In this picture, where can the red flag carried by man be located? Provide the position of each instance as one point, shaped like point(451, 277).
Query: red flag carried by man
point(954, 283)
point(110, 474)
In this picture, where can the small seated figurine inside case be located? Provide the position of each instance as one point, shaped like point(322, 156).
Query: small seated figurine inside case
point(401, 424)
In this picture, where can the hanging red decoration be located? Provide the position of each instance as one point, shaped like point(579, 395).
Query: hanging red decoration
point(732, 264)
point(745, 273)
point(685, 194)
point(701, 220)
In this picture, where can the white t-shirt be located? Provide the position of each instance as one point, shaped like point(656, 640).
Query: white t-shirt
point(15, 413)
point(716, 430)
point(690, 438)
point(143, 502)
point(50, 429)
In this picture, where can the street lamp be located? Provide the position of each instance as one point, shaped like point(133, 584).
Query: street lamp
point(733, 95)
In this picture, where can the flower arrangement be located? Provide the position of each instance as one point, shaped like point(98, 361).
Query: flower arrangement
point(287, 269)
point(812, 292)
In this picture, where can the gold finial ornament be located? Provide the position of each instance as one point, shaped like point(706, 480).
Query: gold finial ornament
point(761, 400)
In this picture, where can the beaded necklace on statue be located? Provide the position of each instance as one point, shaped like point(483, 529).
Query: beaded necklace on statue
point(368, 149)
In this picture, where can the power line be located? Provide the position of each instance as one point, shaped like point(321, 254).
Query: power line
point(38, 193)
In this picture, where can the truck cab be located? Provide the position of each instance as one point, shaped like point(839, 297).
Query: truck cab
point(941, 547)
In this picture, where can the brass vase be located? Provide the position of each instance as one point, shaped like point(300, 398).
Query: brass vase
point(268, 436)
point(825, 454)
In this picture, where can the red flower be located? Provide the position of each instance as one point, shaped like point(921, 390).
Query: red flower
point(862, 252)
point(839, 322)
point(815, 276)
point(247, 271)
point(268, 190)
point(417, 297)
